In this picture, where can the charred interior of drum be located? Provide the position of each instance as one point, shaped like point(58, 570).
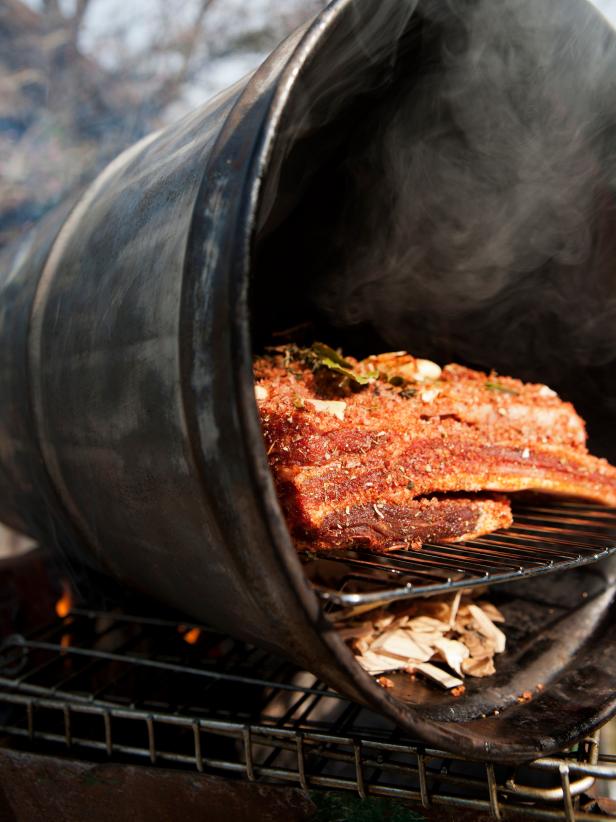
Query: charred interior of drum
point(376, 250)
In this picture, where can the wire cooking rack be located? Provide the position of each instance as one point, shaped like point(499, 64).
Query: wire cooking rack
point(107, 686)
point(545, 537)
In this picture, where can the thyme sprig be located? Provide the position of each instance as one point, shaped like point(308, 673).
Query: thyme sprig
point(320, 355)
point(497, 386)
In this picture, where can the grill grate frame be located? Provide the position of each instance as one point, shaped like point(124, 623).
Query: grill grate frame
point(85, 685)
point(546, 536)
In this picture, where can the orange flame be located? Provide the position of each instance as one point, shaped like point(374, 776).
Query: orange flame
point(192, 636)
point(65, 603)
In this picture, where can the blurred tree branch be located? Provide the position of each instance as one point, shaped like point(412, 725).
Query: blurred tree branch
point(64, 113)
point(81, 7)
point(187, 43)
point(44, 44)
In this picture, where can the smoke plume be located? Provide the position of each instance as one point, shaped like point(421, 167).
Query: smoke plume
point(481, 199)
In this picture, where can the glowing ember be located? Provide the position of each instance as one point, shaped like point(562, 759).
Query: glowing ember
point(192, 636)
point(65, 603)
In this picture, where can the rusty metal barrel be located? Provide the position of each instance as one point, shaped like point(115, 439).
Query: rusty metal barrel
point(129, 433)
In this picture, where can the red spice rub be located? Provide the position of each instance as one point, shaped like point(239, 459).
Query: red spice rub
point(375, 463)
point(386, 527)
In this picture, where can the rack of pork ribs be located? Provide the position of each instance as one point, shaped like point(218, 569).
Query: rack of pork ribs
point(392, 452)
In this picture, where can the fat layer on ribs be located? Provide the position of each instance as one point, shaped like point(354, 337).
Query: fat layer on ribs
point(376, 462)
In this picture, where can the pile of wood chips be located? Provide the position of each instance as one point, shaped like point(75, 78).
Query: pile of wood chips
point(459, 632)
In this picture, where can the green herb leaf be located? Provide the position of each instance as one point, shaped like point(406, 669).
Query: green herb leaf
point(324, 352)
point(328, 358)
point(333, 366)
point(496, 386)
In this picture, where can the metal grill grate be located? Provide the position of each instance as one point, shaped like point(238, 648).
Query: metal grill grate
point(545, 537)
point(85, 684)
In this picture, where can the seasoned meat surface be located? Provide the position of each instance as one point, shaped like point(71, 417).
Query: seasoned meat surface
point(388, 526)
point(371, 452)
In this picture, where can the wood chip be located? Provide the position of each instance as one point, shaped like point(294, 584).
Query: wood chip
point(385, 682)
point(479, 667)
point(438, 675)
point(400, 644)
point(486, 627)
point(376, 664)
point(437, 609)
point(478, 645)
point(426, 639)
point(399, 622)
point(463, 612)
point(407, 636)
point(491, 610)
point(460, 626)
point(361, 645)
point(453, 652)
point(358, 631)
point(455, 605)
point(383, 620)
point(427, 625)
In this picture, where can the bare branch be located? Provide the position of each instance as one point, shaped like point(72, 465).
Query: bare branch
point(194, 33)
point(81, 7)
point(188, 44)
point(52, 8)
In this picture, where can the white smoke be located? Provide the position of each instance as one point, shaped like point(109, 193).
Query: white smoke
point(481, 205)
